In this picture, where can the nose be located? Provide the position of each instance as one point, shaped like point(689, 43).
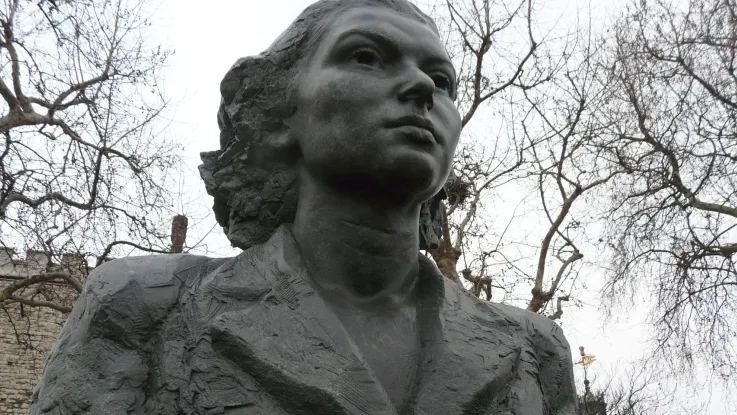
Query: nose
point(419, 87)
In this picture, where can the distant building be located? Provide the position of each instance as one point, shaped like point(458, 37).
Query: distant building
point(27, 334)
point(593, 405)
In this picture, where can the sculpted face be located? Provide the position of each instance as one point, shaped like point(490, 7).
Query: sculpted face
point(375, 107)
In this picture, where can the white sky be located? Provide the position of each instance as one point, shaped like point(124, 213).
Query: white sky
point(209, 36)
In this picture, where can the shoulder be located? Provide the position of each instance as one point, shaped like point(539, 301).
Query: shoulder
point(552, 353)
point(541, 336)
point(538, 330)
point(125, 298)
point(545, 333)
point(153, 272)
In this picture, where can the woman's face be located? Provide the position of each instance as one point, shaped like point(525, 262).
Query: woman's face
point(375, 107)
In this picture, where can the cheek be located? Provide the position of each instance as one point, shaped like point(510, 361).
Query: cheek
point(343, 112)
point(325, 120)
point(332, 98)
point(452, 122)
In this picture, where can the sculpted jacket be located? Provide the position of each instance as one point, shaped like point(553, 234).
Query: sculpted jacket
point(182, 334)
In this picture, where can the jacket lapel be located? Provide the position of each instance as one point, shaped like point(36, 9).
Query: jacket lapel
point(281, 332)
point(291, 342)
point(470, 361)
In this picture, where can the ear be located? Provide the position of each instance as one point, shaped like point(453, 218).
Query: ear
point(431, 216)
point(431, 221)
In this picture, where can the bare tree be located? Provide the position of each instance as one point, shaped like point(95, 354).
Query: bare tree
point(639, 390)
point(626, 141)
point(573, 156)
point(673, 223)
point(546, 92)
point(84, 169)
point(496, 51)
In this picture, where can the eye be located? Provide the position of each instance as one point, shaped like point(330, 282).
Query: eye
point(367, 57)
point(442, 82)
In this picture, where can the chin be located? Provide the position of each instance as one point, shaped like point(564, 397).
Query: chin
point(429, 192)
point(414, 185)
point(403, 176)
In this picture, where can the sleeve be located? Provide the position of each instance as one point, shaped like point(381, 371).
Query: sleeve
point(99, 364)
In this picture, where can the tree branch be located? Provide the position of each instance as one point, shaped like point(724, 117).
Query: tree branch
point(104, 256)
point(37, 303)
point(559, 307)
point(40, 278)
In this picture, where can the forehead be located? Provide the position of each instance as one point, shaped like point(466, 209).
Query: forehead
point(405, 31)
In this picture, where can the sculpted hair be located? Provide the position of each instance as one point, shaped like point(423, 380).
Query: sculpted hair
point(253, 176)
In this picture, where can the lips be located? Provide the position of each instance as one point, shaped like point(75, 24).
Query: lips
point(415, 123)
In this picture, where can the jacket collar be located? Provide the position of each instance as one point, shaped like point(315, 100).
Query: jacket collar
point(291, 342)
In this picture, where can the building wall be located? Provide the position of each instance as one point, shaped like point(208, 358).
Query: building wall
point(27, 334)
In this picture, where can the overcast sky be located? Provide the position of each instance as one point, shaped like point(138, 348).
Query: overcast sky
point(209, 36)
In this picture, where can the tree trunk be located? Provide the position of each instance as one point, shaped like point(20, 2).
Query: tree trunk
point(446, 256)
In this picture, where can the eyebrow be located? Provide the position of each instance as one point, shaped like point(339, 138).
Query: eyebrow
point(380, 38)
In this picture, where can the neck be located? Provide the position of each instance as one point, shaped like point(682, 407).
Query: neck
point(360, 252)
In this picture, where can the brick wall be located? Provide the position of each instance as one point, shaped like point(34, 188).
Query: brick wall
point(21, 363)
point(27, 334)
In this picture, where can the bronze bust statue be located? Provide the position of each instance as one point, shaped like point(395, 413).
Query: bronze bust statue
point(335, 146)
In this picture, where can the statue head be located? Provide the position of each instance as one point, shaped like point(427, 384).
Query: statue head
point(266, 104)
